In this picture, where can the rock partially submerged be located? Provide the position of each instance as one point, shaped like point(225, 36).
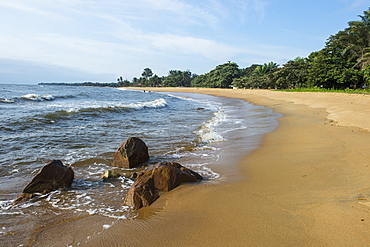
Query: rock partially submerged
point(52, 176)
point(169, 175)
point(164, 176)
point(132, 153)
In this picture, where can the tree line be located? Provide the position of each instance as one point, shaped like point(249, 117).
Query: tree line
point(175, 78)
point(344, 62)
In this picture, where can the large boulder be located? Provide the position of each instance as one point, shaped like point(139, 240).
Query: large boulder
point(142, 193)
point(132, 153)
point(169, 175)
point(164, 176)
point(52, 176)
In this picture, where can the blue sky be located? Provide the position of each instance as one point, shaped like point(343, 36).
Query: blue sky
point(91, 40)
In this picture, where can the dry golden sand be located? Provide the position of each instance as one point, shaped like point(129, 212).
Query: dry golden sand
point(307, 185)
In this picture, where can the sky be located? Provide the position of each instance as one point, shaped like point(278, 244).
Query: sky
point(100, 40)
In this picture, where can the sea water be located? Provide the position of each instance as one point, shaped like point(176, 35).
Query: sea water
point(84, 126)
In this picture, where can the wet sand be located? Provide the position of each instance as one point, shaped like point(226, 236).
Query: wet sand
point(307, 185)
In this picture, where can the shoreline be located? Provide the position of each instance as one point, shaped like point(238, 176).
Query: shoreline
point(306, 185)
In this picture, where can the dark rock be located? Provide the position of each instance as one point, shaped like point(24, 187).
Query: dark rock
point(52, 176)
point(169, 175)
point(142, 193)
point(164, 176)
point(132, 153)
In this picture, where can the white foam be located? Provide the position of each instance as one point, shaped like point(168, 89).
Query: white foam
point(47, 97)
point(150, 104)
point(86, 195)
point(91, 211)
point(106, 226)
point(36, 97)
point(185, 98)
point(72, 110)
point(15, 171)
point(208, 133)
point(204, 171)
point(80, 196)
point(5, 100)
point(158, 103)
point(201, 148)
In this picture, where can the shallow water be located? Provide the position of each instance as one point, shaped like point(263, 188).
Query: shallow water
point(83, 126)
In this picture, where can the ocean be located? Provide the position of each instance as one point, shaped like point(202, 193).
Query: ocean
point(84, 126)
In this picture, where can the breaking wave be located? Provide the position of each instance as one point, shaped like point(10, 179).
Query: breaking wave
point(35, 97)
point(5, 100)
point(158, 103)
point(208, 132)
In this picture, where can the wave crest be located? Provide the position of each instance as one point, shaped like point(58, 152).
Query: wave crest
point(158, 103)
point(35, 97)
point(208, 132)
point(8, 101)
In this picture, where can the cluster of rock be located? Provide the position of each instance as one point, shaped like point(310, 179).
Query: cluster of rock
point(162, 177)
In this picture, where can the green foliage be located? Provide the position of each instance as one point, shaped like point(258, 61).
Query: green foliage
point(122, 83)
point(154, 81)
point(220, 77)
point(252, 82)
point(223, 75)
point(200, 81)
point(293, 74)
point(248, 71)
point(178, 78)
point(135, 81)
point(345, 58)
point(257, 76)
point(262, 70)
point(147, 73)
point(326, 69)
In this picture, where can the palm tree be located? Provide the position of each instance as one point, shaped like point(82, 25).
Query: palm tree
point(356, 41)
point(147, 73)
point(359, 43)
point(265, 69)
point(135, 80)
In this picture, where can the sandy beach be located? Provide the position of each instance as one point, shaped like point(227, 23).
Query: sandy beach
point(307, 185)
